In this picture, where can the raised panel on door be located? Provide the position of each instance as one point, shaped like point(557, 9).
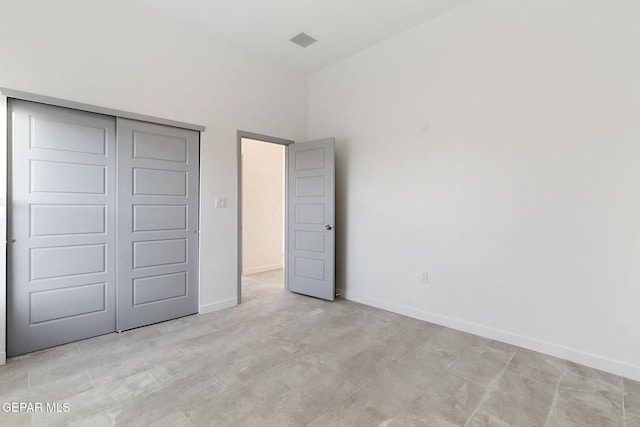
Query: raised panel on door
point(158, 168)
point(311, 213)
point(61, 223)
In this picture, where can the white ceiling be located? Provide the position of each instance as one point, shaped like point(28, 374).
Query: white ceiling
point(343, 27)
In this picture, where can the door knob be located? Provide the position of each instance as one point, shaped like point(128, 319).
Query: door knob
point(328, 227)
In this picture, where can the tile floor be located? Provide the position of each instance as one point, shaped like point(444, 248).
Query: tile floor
point(281, 359)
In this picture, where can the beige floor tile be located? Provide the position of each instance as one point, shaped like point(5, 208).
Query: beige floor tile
point(449, 400)
point(213, 344)
point(177, 419)
point(232, 405)
point(632, 396)
point(15, 419)
point(247, 342)
point(405, 419)
point(304, 404)
point(56, 389)
point(482, 419)
point(42, 419)
point(377, 402)
point(335, 346)
point(183, 366)
point(579, 377)
point(99, 420)
point(537, 366)
point(106, 366)
point(43, 358)
point(503, 346)
point(329, 419)
point(296, 371)
point(133, 363)
point(589, 396)
point(632, 420)
point(519, 400)
point(56, 369)
point(591, 407)
point(161, 403)
point(365, 365)
point(481, 363)
point(100, 399)
point(253, 419)
point(239, 369)
point(13, 383)
point(455, 342)
point(556, 420)
point(423, 366)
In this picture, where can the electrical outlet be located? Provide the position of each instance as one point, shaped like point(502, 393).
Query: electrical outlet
point(424, 278)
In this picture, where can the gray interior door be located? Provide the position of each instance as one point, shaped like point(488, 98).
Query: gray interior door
point(61, 250)
point(311, 216)
point(158, 169)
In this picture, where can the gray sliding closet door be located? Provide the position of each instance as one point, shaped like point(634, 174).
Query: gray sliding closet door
point(62, 251)
point(157, 223)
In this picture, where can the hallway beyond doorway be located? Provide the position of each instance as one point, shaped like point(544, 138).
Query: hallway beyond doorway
point(262, 284)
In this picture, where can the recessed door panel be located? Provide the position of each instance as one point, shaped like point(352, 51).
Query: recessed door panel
point(159, 147)
point(309, 159)
point(55, 261)
point(54, 304)
point(309, 268)
point(61, 177)
point(63, 136)
point(159, 252)
point(159, 288)
point(61, 220)
point(154, 182)
point(309, 213)
point(159, 218)
point(61, 258)
point(310, 186)
point(312, 241)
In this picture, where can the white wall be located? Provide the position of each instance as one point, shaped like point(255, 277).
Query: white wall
point(114, 55)
point(520, 198)
point(262, 206)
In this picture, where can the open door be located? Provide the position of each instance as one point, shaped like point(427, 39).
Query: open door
point(311, 216)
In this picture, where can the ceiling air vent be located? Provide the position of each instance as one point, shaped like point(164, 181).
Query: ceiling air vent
point(303, 40)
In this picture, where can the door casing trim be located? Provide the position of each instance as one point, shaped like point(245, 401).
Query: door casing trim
point(273, 140)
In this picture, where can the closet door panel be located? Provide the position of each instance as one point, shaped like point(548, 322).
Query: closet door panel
point(61, 220)
point(158, 168)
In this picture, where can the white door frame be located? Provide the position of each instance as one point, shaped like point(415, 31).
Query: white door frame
point(273, 140)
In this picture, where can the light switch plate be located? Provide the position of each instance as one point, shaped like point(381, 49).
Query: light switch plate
point(221, 202)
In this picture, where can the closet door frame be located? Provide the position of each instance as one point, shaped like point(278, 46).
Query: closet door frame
point(5, 94)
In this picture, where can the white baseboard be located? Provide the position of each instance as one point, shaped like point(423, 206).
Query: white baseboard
point(262, 269)
point(220, 305)
point(3, 357)
point(592, 360)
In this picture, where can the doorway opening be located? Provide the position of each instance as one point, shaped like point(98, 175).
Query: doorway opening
point(261, 215)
